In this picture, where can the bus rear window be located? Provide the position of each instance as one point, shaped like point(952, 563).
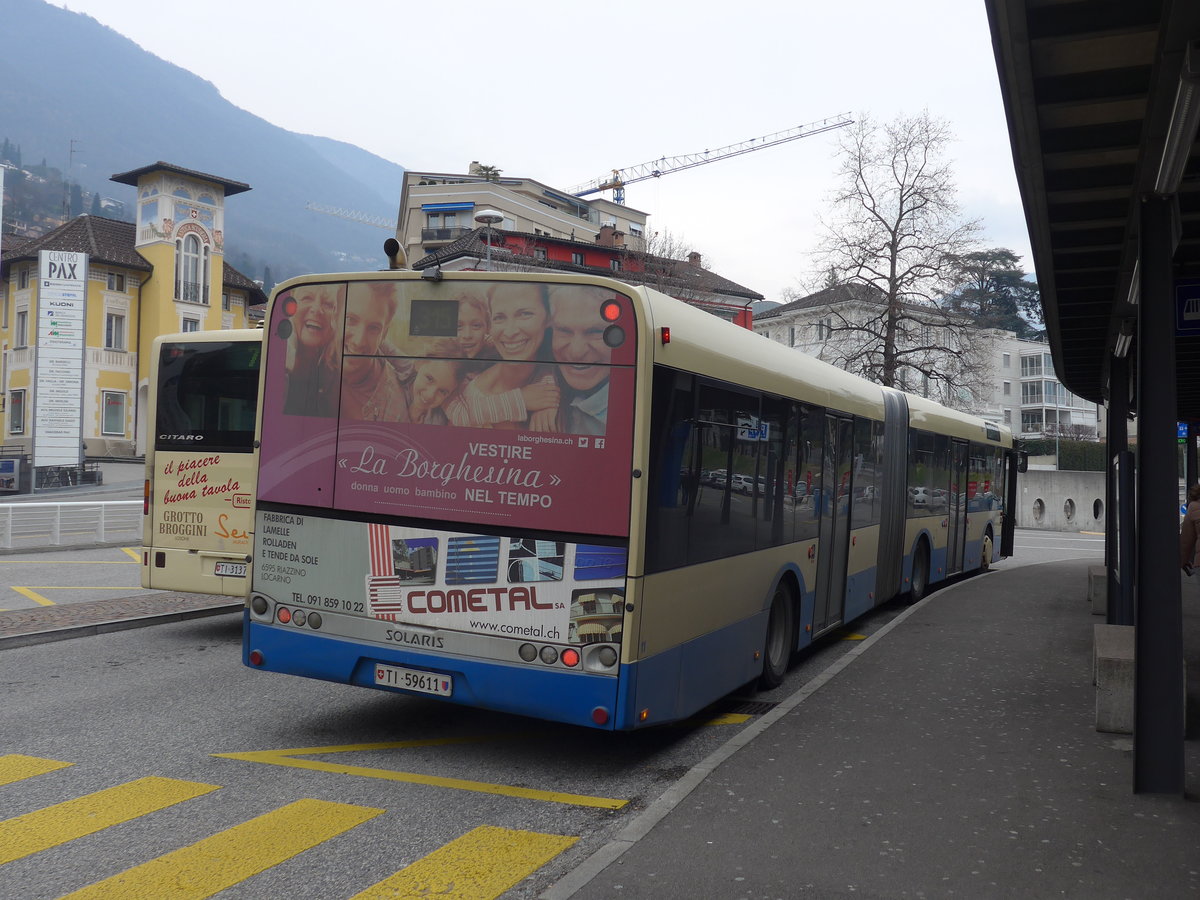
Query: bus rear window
point(207, 396)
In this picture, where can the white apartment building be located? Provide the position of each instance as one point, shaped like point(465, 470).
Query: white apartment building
point(1018, 387)
point(439, 208)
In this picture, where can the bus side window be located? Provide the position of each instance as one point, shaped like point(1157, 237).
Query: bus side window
point(674, 478)
point(723, 524)
point(809, 468)
point(776, 474)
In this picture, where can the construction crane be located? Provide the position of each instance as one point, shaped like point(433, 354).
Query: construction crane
point(656, 168)
point(353, 215)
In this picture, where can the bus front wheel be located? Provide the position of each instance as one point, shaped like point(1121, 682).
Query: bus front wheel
point(920, 572)
point(781, 631)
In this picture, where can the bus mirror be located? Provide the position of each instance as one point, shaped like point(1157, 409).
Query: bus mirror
point(1022, 461)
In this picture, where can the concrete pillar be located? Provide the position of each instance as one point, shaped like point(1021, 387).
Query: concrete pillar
point(1158, 759)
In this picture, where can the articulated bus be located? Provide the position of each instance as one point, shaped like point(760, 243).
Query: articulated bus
point(567, 497)
point(201, 462)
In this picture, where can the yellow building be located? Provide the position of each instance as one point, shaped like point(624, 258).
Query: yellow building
point(80, 306)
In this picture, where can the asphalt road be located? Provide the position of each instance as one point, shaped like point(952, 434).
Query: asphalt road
point(129, 761)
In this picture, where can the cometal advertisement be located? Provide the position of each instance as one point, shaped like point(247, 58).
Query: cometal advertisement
point(442, 408)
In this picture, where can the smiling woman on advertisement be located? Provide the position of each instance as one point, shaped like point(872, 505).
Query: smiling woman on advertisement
point(312, 350)
point(519, 316)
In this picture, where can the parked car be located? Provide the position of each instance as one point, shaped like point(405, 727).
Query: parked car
point(743, 484)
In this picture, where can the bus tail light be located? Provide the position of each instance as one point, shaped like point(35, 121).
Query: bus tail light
point(527, 652)
point(549, 655)
point(600, 715)
point(283, 614)
point(314, 620)
point(610, 310)
point(607, 657)
point(146, 498)
point(665, 332)
point(570, 658)
point(255, 657)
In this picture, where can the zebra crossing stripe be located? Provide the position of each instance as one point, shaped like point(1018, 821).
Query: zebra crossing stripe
point(62, 822)
point(233, 855)
point(16, 767)
point(482, 864)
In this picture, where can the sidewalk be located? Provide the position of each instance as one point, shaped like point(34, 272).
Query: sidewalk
point(953, 754)
point(120, 480)
point(43, 624)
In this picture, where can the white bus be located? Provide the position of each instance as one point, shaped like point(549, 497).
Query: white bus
point(567, 497)
point(201, 462)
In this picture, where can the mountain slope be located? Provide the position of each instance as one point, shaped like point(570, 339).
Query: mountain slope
point(125, 108)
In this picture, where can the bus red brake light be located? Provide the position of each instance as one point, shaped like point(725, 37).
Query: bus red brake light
point(610, 311)
point(570, 658)
point(284, 615)
point(289, 307)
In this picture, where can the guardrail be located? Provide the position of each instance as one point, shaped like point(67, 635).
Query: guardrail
point(32, 526)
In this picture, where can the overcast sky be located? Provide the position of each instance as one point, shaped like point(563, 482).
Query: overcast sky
point(565, 91)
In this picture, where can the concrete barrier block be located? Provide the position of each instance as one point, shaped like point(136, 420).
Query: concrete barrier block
point(1098, 589)
point(1113, 669)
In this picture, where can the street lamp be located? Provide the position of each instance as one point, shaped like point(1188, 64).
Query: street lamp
point(489, 217)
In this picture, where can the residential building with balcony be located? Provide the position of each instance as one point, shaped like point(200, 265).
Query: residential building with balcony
point(438, 208)
point(165, 273)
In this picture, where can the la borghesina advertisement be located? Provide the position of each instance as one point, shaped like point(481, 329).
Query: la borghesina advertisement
point(493, 402)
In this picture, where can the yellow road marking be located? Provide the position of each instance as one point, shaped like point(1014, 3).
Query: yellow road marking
point(69, 562)
point(233, 855)
point(62, 822)
point(135, 553)
point(288, 758)
point(17, 767)
point(727, 719)
point(482, 864)
point(29, 594)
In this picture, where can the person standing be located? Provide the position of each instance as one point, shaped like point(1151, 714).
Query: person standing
point(1189, 532)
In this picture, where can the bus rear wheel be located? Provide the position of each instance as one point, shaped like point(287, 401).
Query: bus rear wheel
point(780, 639)
point(985, 559)
point(920, 573)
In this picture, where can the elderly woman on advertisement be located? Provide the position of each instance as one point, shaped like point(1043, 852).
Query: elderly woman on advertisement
point(371, 389)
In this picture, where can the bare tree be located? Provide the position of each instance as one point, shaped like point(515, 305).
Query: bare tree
point(665, 266)
point(895, 231)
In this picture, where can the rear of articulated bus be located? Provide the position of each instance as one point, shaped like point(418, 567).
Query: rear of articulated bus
point(201, 462)
point(444, 489)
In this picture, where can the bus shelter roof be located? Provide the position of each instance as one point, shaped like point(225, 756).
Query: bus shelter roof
point(1090, 91)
